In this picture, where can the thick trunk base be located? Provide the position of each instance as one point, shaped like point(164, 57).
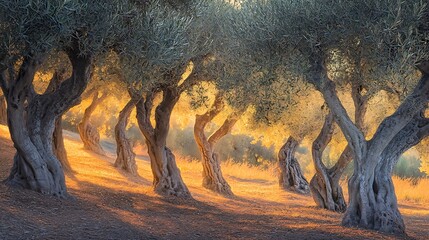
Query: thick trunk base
point(58, 146)
point(46, 178)
point(212, 175)
point(90, 138)
point(167, 179)
point(291, 177)
point(126, 157)
point(373, 204)
point(124, 149)
point(334, 202)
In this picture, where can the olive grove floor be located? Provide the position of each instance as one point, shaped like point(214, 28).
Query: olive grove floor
point(109, 204)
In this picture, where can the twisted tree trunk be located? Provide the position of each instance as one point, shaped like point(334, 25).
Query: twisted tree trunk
point(57, 138)
point(324, 186)
point(3, 111)
point(125, 156)
point(212, 174)
point(326, 193)
point(372, 203)
point(291, 176)
point(166, 175)
point(382, 213)
point(88, 133)
point(58, 145)
point(31, 123)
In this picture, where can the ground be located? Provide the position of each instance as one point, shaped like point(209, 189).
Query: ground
point(109, 204)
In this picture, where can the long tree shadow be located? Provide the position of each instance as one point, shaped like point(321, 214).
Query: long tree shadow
point(193, 219)
point(103, 212)
point(29, 215)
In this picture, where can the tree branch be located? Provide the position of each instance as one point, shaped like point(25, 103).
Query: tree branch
point(354, 136)
point(413, 133)
point(217, 106)
point(144, 108)
point(411, 106)
point(70, 90)
point(226, 127)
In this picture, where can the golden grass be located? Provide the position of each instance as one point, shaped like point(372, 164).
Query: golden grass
point(407, 191)
point(257, 195)
point(247, 182)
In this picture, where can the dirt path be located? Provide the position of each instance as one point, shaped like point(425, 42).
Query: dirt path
point(109, 204)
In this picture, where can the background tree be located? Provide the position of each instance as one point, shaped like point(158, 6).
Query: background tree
point(89, 133)
point(276, 97)
point(240, 101)
point(243, 78)
point(124, 149)
point(171, 36)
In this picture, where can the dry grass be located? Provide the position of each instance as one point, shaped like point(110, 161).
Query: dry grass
point(408, 190)
point(259, 209)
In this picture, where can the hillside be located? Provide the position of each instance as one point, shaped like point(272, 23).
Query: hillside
point(109, 204)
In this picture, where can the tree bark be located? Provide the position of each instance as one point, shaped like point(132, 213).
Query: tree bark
point(88, 133)
point(31, 119)
point(382, 213)
point(212, 174)
point(167, 180)
point(58, 145)
point(291, 176)
point(57, 138)
point(372, 202)
point(125, 156)
point(3, 111)
point(326, 193)
point(325, 188)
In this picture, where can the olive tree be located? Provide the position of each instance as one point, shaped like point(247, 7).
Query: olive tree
point(243, 78)
point(239, 95)
point(273, 100)
point(324, 186)
point(235, 88)
point(394, 45)
point(168, 43)
point(31, 31)
point(124, 149)
point(89, 133)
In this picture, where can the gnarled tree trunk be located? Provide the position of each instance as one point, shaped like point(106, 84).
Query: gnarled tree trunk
point(166, 175)
point(125, 156)
point(291, 176)
point(326, 193)
point(57, 138)
point(3, 111)
point(382, 213)
point(58, 145)
point(324, 186)
point(31, 119)
point(89, 133)
point(372, 202)
point(212, 174)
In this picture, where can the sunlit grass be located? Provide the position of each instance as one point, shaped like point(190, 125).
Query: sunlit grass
point(408, 190)
point(252, 186)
